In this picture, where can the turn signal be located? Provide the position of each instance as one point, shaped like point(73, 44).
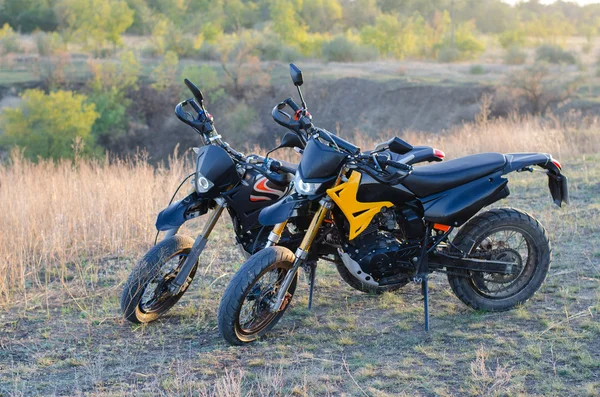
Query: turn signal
point(557, 164)
point(439, 154)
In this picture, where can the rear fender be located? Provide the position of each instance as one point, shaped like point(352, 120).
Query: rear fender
point(181, 211)
point(557, 182)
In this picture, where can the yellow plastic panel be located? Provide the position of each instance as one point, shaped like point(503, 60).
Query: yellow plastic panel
point(359, 214)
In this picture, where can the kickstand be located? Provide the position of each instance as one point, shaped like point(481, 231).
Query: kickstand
point(313, 271)
point(425, 290)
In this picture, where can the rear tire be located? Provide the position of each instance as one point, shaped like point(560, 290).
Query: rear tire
point(147, 271)
point(241, 290)
point(477, 236)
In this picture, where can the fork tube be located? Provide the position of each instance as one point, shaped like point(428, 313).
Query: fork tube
point(302, 252)
point(275, 234)
point(197, 248)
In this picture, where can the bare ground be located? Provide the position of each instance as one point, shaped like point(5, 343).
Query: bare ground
point(64, 340)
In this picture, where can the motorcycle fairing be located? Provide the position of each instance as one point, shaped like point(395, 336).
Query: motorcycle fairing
point(283, 210)
point(181, 211)
point(358, 214)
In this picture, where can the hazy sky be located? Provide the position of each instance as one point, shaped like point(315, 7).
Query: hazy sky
point(582, 2)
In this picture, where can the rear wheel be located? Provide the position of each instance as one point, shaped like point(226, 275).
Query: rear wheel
point(244, 312)
point(506, 235)
point(146, 293)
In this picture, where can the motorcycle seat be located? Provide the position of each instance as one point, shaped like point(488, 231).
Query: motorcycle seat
point(431, 179)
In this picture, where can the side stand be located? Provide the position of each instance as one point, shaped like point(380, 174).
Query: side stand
point(313, 271)
point(425, 290)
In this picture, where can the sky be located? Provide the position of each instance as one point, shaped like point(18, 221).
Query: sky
point(581, 2)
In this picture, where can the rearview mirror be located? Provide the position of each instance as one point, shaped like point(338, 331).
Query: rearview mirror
point(291, 140)
point(296, 75)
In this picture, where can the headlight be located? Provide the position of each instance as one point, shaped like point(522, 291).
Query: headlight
point(305, 188)
point(203, 185)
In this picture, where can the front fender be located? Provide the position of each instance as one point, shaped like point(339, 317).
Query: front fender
point(181, 211)
point(282, 210)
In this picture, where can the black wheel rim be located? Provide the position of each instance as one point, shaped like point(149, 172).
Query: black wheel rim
point(255, 314)
point(156, 296)
point(506, 244)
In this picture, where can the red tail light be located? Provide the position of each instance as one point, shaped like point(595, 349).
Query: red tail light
point(557, 164)
point(439, 154)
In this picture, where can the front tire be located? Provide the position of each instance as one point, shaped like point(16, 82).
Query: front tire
point(495, 232)
point(244, 314)
point(140, 304)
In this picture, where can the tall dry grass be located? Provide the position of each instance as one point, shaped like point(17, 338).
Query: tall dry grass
point(58, 221)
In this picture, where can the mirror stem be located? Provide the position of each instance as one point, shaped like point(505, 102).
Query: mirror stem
point(301, 97)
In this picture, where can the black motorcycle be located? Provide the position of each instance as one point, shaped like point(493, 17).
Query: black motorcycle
point(224, 179)
point(392, 223)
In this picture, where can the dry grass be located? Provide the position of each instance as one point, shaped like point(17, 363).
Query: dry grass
point(58, 220)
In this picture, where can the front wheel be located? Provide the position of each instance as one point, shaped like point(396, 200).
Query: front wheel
point(244, 312)
point(507, 235)
point(146, 293)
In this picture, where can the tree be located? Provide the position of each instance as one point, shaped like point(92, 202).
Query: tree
point(94, 23)
point(538, 89)
point(166, 72)
point(47, 125)
point(287, 24)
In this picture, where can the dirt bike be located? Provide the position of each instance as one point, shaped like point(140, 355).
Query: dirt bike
point(392, 224)
point(223, 179)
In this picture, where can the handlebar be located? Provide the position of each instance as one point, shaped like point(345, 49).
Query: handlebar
point(336, 140)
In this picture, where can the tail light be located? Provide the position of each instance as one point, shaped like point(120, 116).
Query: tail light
point(439, 154)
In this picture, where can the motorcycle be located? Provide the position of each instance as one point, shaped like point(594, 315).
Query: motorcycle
point(223, 179)
point(392, 224)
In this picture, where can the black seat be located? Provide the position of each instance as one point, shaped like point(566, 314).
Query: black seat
point(431, 179)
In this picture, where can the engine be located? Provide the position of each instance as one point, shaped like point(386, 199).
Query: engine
point(384, 250)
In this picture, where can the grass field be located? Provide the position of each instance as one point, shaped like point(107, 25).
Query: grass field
point(71, 233)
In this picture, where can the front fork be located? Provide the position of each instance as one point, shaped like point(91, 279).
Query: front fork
point(197, 248)
point(301, 252)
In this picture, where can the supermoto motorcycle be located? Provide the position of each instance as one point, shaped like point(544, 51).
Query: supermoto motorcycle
point(392, 223)
point(223, 179)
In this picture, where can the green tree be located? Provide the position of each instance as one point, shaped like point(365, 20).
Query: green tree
point(47, 125)
point(108, 92)
point(287, 23)
point(94, 23)
point(166, 72)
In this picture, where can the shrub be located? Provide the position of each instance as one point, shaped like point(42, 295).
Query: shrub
point(477, 69)
point(208, 52)
point(207, 79)
point(554, 54)
point(515, 56)
point(446, 55)
point(165, 73)
point(9, 40)
point(341, 49)
point(48, 43)
point(271, 48)
point(48, 125)
point(512, 38)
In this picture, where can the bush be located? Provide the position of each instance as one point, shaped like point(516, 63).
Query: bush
point(48, 43)
point(208, 52)
point(512, 38)
point(447, 55)
point(207, 79)
point(9, 40)
point(48, 125)
point(271, 48)
point(515, 56)
point(477, 69)
point(554, 54)
point(341, 49)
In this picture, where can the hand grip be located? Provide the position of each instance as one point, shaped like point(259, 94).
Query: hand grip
point(399, 165)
